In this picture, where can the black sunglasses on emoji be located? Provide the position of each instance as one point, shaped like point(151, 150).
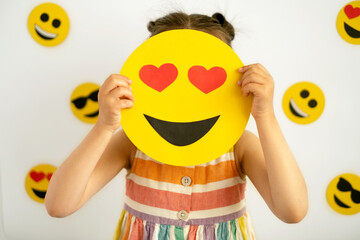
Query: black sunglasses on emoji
point(81, 101)
point(345, 186)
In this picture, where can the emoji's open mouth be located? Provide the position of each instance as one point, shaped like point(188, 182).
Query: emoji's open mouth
point(95, 114)
point(182, 133)
point(40, 194)
point(296, 110)
point(352, 32)
point(340, 203)
point(44, 34)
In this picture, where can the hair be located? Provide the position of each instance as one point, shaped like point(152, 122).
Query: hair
point(215, 25)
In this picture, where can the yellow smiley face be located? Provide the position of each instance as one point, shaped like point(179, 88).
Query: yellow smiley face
point(84, 102)
point(188, 109)
point(303, 102)
point(348, 22)
point(37, 181)
point(48, 24)
point(343, 194)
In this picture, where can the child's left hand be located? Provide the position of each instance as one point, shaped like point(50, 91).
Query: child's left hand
point(257, 80)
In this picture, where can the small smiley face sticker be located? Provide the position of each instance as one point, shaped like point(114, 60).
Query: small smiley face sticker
point(343, 194)
point(37, 181)
point(48, 24)
point(84, 102)
point(348, 22)
point(188, 109)
point(303, 102)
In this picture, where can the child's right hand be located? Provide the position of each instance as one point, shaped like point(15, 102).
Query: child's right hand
point(115, 94)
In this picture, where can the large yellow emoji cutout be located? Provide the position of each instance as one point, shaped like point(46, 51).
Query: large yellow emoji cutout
point(188, 109)
point(343, 194)
point(303, 102)
point(48, 24)
point(37, 181)
point(348, 22)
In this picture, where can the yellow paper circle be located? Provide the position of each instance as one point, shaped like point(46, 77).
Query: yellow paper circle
point(84, 102)
point(37, 181)
point(48, 24)
point(343, 194)
point(303, 102)
point(348, 22)
point(188, 109)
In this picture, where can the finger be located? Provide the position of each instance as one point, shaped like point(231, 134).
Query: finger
point(252, 78)
point(257, 76)
point(122, 93)
point(125, 103)
point(257, 66)
point(115, 81)
point(253, 88)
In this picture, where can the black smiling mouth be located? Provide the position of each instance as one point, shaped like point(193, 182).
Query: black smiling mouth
point(340, 203)
point(182, 133)
point(40, 194)
point(297, 112)
point(95, 114)
point(352, 32)
point(43, 34)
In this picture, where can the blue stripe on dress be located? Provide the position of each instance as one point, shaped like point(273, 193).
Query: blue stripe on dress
point(222, 231)
point(164, 232)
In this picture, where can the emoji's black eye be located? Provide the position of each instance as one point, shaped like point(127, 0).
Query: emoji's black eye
point(56, 23)
point(304, 93)
point(44, 17)
point(312, 103)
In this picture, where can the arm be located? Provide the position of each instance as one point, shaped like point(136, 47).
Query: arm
point(269, 162)
point(98, 158)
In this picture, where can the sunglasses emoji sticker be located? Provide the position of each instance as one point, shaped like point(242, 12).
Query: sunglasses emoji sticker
point(37, 181)
point(84, 102)
point(343, 194)
point(188, 108)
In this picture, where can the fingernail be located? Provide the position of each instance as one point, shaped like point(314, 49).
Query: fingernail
point(241, 69)
point(129, 81)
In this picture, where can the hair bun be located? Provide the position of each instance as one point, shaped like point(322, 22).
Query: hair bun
point(151, 26)
point(225, 24)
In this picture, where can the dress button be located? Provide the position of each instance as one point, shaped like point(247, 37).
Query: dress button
point(182, 215)
point(186, 181)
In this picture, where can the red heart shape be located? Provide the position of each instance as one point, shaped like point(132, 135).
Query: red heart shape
point(37, 176)
point(49, 176)
point(207, 80)
point(158, 78)
point(351, 12)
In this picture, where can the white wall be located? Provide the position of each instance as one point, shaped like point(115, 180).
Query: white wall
point(295, 40)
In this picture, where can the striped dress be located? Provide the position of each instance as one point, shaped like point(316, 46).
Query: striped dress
point(205, 201)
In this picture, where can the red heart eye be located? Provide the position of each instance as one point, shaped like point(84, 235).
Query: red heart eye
point(37, 176)
point(351, 12)
point(49, 176)
point(158, 78)
point(207, 80)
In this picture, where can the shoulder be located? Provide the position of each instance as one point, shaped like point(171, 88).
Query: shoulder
point(125, 148)
point(247, 145)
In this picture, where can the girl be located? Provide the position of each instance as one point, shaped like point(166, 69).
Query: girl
point(197, 202)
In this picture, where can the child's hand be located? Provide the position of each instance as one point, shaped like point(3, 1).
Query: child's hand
point(256, 80)
point(114, 95)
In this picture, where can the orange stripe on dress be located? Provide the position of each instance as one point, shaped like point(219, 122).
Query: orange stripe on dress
point(137, 230)
point(176, 201)
point(127, 228)
point(173, 174)
point(192, 232)
point(157, 198)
